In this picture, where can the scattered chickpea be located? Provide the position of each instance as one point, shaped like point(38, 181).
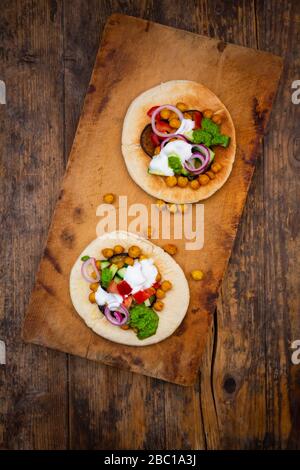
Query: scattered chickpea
point(157, 150)
point(170, 248)
point(165, 113)
point(125, 327)
point(210, 174)
point(108, 198)
point(181, 106)
point(216, 167)
point(207, 113)
point(107, 252)
point(172, 208)
point(160, 204)
point(187, 116)
point(94, 286)
point(171, 181)
point(197, 275)
point(166, 285)
point(158, 277)
point(134, 251)
point(98, 264)
point(182, 181)
point(160, 294)
point(92, 298)
point(194, 184)
point(118, 249)
point(128, 260)
point(175, 123)
point(158, 305)
point(203, 180)
point(217, 119)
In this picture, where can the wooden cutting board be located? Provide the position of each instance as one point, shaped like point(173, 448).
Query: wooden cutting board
point(136, 55)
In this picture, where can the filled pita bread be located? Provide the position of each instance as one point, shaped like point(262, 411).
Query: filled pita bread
point(197, 97)
point(176, 300)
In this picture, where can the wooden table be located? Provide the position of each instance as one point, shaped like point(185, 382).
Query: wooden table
point(248, 392)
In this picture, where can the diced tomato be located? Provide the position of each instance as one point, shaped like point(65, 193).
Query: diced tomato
point(124, 288)
point(154, 139)
point(156, 285)
point(127, 302)
point(112, 288)
point(151, 110)
point(162, 126)
point(141, 296)
point(197, 119)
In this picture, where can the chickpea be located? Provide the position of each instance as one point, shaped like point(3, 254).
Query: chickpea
point(125, 327)
point(210, 174)
point(197, 275)
point(158, 277)
point(94, 286)
point(108, 198)
point(194, 184)
point(187, 116)
point(134, 251)
point(157, 150)
point(143, 257)
point(158, 305)
point(183, 208)
point(149, 231)
point(120, 264)
point(173, 115)
point(151, 289)
point(118, 249)
point(182, 181)
point(175, 123)
point(216, 167)
point(172, 208)
point(94, 275)
point(98, 264)
point(182, 106)
point(171, 181)
point(170, 248)
point(165, 113)
point(217, 119)
point(92, 298)
point(203, 180)
point(207, 113)
point(160, 204)
point(160, 294)
point(107, 252)
point(166, 285)
point(129, 261)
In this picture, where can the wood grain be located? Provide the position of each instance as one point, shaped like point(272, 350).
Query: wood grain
point(184, 423)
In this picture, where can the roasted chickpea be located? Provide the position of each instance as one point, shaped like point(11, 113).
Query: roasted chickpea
point(98, 264)
point(107, 252)
point(172, 208)
point(158, 305)
point(134, 251)
point(160, 294)
point(171, 181)
point(170, 248)
point(182, 208)
point(142, 257)
point(160, 204)
point(217, 119)
point(216, 167)
point(182, 181)
point(210, 174)
point(92, 298)
point(94, 275)
point(94, 286)
point(194, 184)
point(166, 285)
point(158, 277)
point(157, 150)
point(175, 123)
point(118, 249)
point(108, 198)
point(197, 275)
point(182, 106)
point(125, 327)
point(120, 264)
point(203, 180)
point(165, 113)
point(149, 231)
point(207, 113)
point(187, 116)
point(129, 261)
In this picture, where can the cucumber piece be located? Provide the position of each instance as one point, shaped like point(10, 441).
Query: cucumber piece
point(117, 279)
point(147, 303)
point(121, 272)
point(104, 264)
point(113, 269)
point(212, 155)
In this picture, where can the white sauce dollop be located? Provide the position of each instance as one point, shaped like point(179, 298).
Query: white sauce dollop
point(141, 275)
point(159, 163)
point(186, 125)
point(113, 301)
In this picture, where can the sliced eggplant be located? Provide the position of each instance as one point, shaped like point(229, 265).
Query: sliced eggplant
point(146, 142)
point(115, 259)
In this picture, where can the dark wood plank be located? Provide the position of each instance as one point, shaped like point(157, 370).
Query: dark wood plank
point(33, 382)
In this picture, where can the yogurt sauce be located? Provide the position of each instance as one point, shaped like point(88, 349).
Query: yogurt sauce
point(159, 163)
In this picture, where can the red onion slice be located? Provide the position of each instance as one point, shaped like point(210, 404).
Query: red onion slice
point(157, 111)
point(178, 136)
point(84, 270)
point(203, 155)
point(115, 318)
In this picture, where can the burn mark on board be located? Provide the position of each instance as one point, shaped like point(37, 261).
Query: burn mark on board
point(181, 329)
point(49, 256)
point(78, 215)
point(103, 103)
point(259, 115)
point(91, 88)
point(147, 26)
point(48, 289)
point(221, 46)
point(67, 237)
point(53, 10)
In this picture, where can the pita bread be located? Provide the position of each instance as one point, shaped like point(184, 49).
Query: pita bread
point(176, 301)
point(197, 97)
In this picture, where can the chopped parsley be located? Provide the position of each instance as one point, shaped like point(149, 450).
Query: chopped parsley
point(209, 134)
point(174, 162)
